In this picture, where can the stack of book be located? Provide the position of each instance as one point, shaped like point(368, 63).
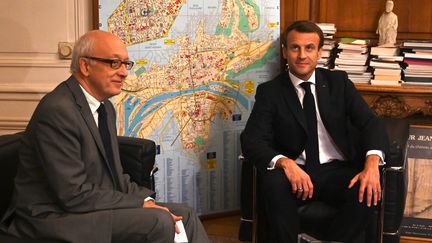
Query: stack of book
point(352, 57)
point(385, 63)
point(327, 57)
point(418, 62)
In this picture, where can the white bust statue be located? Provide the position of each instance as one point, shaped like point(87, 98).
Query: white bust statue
point(387, 26)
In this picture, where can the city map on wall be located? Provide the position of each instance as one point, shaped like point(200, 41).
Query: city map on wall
point(197, 65)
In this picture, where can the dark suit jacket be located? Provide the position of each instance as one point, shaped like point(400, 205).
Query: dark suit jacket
point(277, 124)
point(64, 189)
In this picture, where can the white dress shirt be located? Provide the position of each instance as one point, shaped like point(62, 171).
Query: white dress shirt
point(94, 105)
point(328, 150)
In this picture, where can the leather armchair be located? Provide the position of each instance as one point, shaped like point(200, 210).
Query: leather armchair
point(137, 157)
point(385, 222)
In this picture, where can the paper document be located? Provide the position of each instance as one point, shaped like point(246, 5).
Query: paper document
point(180, 237)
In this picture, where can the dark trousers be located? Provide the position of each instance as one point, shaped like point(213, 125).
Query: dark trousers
point(331, 186)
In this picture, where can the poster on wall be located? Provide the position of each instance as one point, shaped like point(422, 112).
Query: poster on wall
point(417, 221)
point(197, 65)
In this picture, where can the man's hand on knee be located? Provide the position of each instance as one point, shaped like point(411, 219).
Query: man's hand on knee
point(152, 204)
point(369, 179)
point(300, 181)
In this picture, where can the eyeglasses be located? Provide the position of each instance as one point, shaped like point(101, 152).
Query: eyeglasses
point(115, 63)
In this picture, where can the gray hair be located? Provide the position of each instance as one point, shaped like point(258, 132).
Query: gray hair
point(82, 48)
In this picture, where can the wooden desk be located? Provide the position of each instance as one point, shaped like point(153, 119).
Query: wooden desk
point(399, 101)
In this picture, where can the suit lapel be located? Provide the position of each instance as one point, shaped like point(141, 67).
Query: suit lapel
point(114, 142)
point(86, 113)
point(322, 93)
point(290, 95)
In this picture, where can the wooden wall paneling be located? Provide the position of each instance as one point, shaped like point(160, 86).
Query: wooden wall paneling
point(315, 9)
point(29, 62)
point(359, 19)
point(284, 14)
point(353, 18)
point(303, 9)
point(415, 19)
point(95, 14)
point(292, 10)
point(321, 12)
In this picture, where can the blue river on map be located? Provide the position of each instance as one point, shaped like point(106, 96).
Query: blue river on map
point(158, 101)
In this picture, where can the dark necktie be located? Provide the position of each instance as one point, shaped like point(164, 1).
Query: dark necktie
point(106, 139)
point(312, 154)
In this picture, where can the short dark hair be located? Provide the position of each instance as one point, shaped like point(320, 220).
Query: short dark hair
point(303, 26)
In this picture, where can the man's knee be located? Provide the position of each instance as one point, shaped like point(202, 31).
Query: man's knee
point(164, 224)
point(135, 225)
point(180, 209)
point(276, 180)
point(185, 211)
point(353, 197)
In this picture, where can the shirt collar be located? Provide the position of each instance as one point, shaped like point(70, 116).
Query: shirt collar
point(92, 101)
point(296, 81)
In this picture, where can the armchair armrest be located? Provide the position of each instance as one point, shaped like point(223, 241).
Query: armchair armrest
point(394, 182)
point(248, 215)
point(137, 156)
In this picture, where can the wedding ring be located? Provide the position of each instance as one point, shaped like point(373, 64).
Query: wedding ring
point(300, 189)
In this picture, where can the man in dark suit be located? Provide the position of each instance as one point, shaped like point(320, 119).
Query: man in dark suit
point(297, 136)
point(70, 184)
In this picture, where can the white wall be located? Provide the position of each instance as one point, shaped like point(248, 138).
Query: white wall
point(29, 62)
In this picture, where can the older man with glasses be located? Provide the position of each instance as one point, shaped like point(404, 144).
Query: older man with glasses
point(69, 185)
